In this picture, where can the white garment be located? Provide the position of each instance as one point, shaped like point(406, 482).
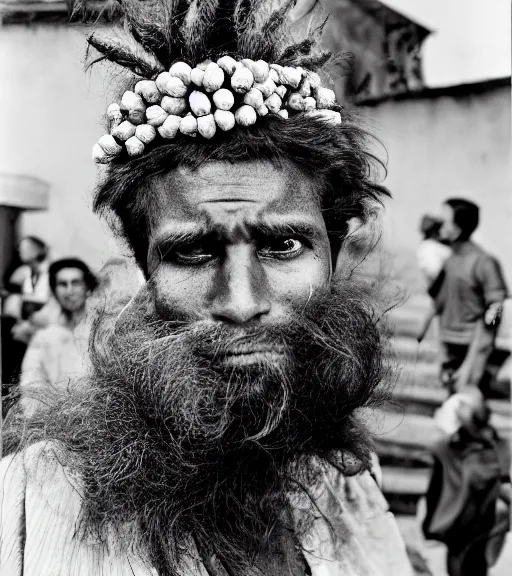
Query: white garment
point(431, 256)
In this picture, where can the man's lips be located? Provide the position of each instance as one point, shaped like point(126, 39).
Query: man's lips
point(242, 355)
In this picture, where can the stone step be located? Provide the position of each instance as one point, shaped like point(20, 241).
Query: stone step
point(409, 351)
point(405, 481)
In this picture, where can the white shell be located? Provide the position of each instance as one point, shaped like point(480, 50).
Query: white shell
point(130, 100)
point(223, 99)
point(274, 103)
point(305, 89)
point(156, 115)
point(242, 80)
point(314, 79)
point(254, 98)
point(295, 102)
point(182, 71)
point(259, 69)
point(290, 76)
point(173, 105)
point(262, 110)
point(188, 125)
point(245, 115)
point(206, 126)
point(281, 91)
point(266, 88)
point(199, 103)
point(325, 98)
point(204, 64)
point(124, 131)
point(148, 90)
point(213, 77)
point(161, 81)
point(114, 116)
point(109, 145)
point(197, 76)
point(274, 76)
point(224, 119)
point(170, 127)
point(228, 64)
point(145, 133)
point(175, 87)
point(134, 146)
point(99, 155)
point(283, 114)
point(309, 103)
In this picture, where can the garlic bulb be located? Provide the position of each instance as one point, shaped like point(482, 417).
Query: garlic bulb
point(224, 119)
point(156, 115)
point(254, 98)
point(266, 88)
point(170, 127)
point(188, 125)
point(175, 87)
point(199, 103)
point(145, 133)
point(325, 98)
point(161, 81)
point(259, 69)
point(134, 146)
point(109, 145)
point(242, 80)
point(206, 126)
point(290, 76)
point(273, 75)
point(227, 64)
point(124, 131)
point(245, 115)
point(130, 101)
point(204, 64)
point(330, 116)
point(283, 113)
point(314, 79)
point(273, 103)
point(309, 103)
point(99, 155)
point(173, 105)
point(197, 76)
point(223, 99)
point(148, 90)
point(262, 110)
point(305, 88)
point(182, 71)
point(114, 116)
point(281, 91)
point(213, 77)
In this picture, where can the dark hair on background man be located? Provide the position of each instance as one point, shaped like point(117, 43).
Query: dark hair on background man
point(89, 278)
point(465, 215)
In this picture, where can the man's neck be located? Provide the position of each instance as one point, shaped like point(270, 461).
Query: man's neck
point(74, 318)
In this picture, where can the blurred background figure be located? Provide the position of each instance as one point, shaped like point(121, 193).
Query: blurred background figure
point(468, 499)
point(57, 352)
point(27, 291)
point(469, 299)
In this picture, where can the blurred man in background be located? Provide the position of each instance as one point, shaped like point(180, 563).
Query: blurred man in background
point(54, 353)
point(469, 301)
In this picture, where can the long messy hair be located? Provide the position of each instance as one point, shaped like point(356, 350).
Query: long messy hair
point(148, 36)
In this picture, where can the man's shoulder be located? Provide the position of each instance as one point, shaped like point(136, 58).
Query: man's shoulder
point(52, 335)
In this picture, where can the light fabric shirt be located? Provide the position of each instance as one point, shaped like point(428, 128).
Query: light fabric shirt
point(51, 363)
point(40, 507)
point(431, 257)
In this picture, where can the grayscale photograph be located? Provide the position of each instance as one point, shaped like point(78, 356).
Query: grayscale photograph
point(255, 288)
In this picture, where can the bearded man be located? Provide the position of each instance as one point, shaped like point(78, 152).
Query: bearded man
point(218, 432)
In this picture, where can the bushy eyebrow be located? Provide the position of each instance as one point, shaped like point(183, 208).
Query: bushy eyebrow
point(212, 232)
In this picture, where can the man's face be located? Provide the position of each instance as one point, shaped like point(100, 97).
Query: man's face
point(28, 251)
point(70, 289)
point(238, 245)
point(449, 231)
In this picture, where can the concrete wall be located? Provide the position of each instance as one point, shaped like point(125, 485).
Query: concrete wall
point(446, 146)
point(50, 116)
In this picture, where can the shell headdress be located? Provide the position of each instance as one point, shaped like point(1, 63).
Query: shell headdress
point(200, 66)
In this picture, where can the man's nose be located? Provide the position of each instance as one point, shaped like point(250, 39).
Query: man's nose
point(240, 290)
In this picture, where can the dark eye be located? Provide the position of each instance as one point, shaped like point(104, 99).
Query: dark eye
point(191, 255)
point(282, 248)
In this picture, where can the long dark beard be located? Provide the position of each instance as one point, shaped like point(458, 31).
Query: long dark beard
point(168, 439)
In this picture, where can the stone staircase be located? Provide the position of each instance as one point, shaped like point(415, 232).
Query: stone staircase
point(404, 429)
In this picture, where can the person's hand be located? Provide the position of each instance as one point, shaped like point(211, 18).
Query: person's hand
point(493, 314)
point(23, 331)
point(462, 377)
